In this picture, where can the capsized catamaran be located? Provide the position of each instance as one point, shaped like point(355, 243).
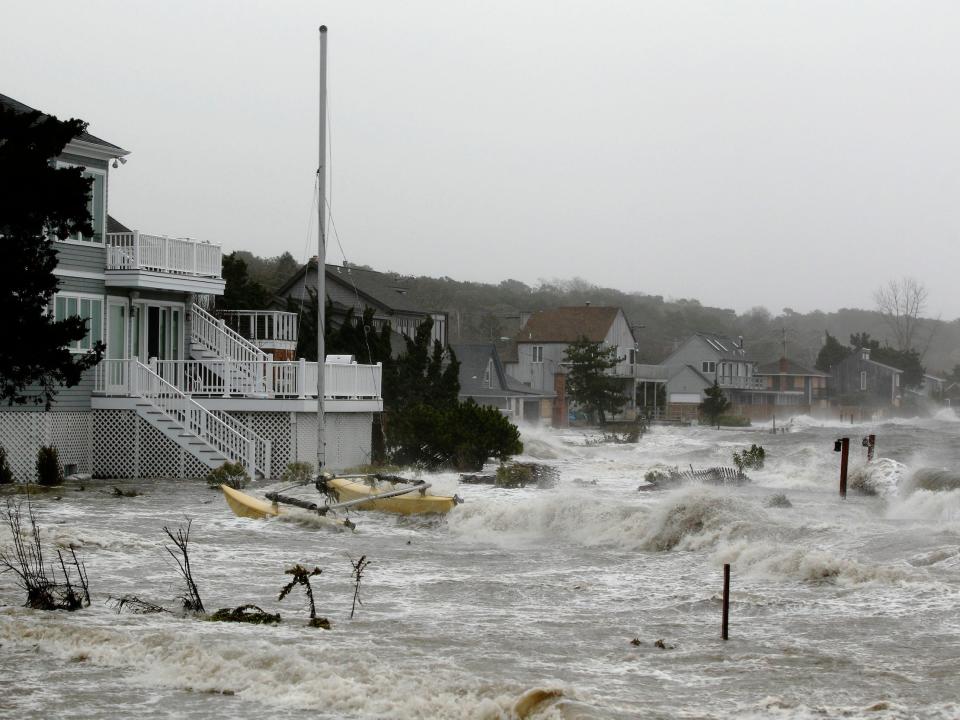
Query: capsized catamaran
point(395, 496)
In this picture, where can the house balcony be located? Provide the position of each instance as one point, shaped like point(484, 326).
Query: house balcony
point(272, 331)
point(248, 385)
point(752, 382)
point(153, 262)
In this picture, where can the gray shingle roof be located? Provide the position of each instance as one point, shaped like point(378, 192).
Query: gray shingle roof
point(20, 107)
point(384, 289)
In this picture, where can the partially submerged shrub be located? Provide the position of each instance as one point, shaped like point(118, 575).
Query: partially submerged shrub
point(45, 591)
point(733, 421)
point(750, 459)
point(301, 576)
point(778, 500)
point(6, 472)
point(516, 474)
point(245, 614)
point(300, 473)
point(49, 470)
point(230, 474)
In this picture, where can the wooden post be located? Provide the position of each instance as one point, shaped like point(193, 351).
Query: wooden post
point(726, 601)
point(870, 442)
point(843, 447)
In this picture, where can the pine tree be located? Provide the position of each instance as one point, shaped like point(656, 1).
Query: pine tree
point(588, 383)
point(38, 201)
point(715, 404)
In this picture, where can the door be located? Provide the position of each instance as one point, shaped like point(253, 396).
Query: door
point(116, 373)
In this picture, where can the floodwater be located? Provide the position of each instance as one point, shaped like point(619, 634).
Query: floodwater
point(839, 608)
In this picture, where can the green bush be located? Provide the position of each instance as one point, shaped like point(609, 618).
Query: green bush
point(6, 472)
point(460, 435)
point(298, 472)
point(49, 470)
point(230, 474)
point(750, 459)
point(733, 421)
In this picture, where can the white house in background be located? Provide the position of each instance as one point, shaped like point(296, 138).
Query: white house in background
point(179, 391)
point(705, 358)
point(543, 340)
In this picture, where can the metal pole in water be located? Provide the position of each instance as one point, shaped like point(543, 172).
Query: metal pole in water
point(321, 249)
point(870, 441)
point(726, 601)
point(843, 447)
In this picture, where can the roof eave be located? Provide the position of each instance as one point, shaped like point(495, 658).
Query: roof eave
point(95, 150)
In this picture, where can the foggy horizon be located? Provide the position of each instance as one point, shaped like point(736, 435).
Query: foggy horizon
point(745, 155)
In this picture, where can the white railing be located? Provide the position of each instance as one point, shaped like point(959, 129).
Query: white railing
point(272, 378)
point(262, 448)
point(268, 327)
point(752, 382)
point(218, 338)
point(139, 251)
point(141, 381)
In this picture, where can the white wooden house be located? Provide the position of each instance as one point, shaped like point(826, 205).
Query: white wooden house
point(179, 392)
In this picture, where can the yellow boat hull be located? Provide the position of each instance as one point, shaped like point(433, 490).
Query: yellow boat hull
point(412, 504)
point(247, 506)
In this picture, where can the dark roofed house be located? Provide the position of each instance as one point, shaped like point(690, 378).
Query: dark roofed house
point(861, 382)
point(791, 388)
point(542, 342)
point(483, 378)
point(361, 288)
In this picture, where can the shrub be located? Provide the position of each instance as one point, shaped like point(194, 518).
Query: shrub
point(298, 472)
point(230, 474)
point(49, 470)
point(733, 421)
point(752, 458)
point(461, 435)
point(6, 472)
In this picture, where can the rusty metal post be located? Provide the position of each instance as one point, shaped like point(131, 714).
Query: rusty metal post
point(726, 601)
point(871, 444)
point(843, 447)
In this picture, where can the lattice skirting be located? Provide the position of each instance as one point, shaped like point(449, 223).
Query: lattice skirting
point(23, 433)
point(125, 445)
point(120, 444)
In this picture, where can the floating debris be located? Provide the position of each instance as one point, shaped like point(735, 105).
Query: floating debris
point(245, 614)
point(518, 475)
point(663, 476)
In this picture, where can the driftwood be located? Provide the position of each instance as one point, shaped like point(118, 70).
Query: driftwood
point(191, 600)
point(358, 567)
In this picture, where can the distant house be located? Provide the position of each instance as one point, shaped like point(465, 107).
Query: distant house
point(484, 379)
point(360, 288)
point(713, 358)
point(542, 342)
point(859, 381)
point(933, 387)
point(790, 388)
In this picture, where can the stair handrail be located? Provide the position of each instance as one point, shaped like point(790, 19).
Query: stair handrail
point(221, 339)
point(145, 383)
point(263, 448)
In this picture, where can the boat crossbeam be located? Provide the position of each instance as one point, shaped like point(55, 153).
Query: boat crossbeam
point(420, 487)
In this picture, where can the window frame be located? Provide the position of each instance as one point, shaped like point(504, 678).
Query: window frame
point(863, 379)
point(67, 295)
point(77, 239)
point(708, 366)
point(537, 354)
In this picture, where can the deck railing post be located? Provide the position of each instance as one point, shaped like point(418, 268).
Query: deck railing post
point(302, 378)
point(136, 248)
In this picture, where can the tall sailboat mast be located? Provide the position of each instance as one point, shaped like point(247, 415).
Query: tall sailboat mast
point(321, 249)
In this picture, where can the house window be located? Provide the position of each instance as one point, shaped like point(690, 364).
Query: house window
point(631, 357)
point(96, 205)
point(708, 366)
point(487, 374)
point(538, 353)
point(896, 381)
point(863, 379)
point(89, 308)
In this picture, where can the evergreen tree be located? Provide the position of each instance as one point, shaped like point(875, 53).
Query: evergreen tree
point(832, 353)
point(38, 201)
point(588, 383)
point(715, 404)
point(240, 292)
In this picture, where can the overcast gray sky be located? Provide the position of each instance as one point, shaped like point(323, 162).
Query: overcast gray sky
point(785, 154)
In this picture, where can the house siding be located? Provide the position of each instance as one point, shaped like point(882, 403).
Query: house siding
point(83, 257)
